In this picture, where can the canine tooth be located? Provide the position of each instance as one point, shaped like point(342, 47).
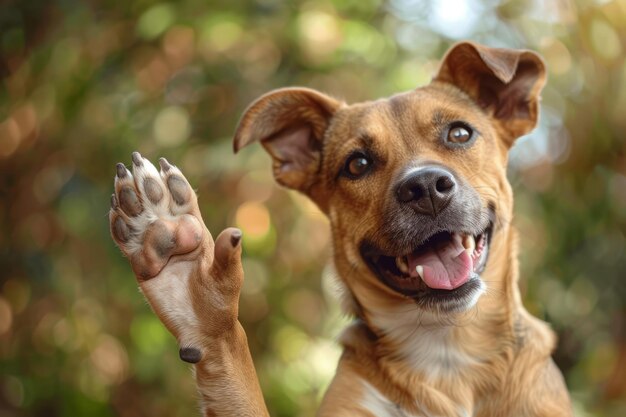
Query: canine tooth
point(469, 243)
point(402, 264)
point(420, 271)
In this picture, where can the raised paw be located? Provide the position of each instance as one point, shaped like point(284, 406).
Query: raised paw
point(191, 282)
point(154, 215)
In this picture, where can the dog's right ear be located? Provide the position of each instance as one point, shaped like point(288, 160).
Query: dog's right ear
point(290, 123)
point(506, 83)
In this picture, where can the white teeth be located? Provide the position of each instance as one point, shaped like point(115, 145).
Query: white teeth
point(469, 243)
point(420, 271)
point(402, 264)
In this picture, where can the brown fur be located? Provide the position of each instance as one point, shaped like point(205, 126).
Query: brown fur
point(498, 356)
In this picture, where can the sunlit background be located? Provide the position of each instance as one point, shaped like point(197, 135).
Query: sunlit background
point(84, 83)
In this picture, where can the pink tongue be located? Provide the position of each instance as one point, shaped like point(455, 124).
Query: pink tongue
point(446, 265)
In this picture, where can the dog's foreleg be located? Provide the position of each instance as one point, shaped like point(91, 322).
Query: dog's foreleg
point(191, 282)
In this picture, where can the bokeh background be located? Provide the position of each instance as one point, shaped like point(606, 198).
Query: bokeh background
point(84, 83)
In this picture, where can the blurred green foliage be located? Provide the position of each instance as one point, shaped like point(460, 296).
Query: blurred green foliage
point(84, 83)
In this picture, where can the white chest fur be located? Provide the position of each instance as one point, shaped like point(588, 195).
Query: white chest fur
point(424, 341)
point(377, 404)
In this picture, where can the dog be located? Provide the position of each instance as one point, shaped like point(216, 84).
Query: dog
point(415, 190)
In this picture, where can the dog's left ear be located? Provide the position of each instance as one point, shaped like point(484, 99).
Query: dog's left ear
point(290, 123)
point(506, 83)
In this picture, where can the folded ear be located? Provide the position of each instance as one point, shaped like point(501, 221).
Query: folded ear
point(290, 123)
point(504, 82)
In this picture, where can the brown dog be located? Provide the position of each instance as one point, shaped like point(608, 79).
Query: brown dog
point(419, 206)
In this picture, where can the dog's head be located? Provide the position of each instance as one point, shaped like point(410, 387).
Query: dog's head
point(415, 184)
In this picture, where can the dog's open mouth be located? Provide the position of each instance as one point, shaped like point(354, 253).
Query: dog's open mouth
point(446, 264)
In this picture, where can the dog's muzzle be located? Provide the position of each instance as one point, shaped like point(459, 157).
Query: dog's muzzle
point(436, 239)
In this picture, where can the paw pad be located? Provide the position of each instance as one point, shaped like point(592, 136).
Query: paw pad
point(130, 202)
point(190, 354)
point(120, 230)
point(179, 189)
point(153, 190)
point(154, 215)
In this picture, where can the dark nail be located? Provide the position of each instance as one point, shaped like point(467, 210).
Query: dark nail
point(165, 166)
point(121, 170)
point(190, 355)
point(235, 238)
point(137, 160)
point(113, 201)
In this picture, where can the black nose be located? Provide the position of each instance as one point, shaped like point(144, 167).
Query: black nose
point(427, 191)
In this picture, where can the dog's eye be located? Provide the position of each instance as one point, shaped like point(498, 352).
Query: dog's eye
point(357, 165)
point(459, 133)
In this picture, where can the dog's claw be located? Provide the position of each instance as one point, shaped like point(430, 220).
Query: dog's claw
point(137, 159)
point(235, 238)
point(121, 170)
point(165, 166)
point(114, 203)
